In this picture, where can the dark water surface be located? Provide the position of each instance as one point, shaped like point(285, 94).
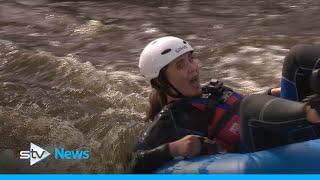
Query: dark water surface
point(69, 75)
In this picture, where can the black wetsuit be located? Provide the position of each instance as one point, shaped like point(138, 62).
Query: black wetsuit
point(297, 67)
point(152, 149)
point(266, 121)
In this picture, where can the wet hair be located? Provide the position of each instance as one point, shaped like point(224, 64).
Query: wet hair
point(157, 100)
point(157, 96)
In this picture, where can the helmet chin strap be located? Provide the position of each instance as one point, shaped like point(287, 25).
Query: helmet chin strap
point(176, 94)
point(162, 84)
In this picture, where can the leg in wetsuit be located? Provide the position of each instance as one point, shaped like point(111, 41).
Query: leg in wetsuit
point(268, 121)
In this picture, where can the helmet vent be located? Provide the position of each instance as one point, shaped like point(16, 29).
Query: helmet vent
point(153, 42)
point(185, 42)
point(165, 51)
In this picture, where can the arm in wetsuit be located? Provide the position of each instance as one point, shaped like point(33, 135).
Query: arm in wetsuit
point(176, 120)
point(152, 149)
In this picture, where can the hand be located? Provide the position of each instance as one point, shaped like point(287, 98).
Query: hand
point(188, 146)
point(313, 108)
point(275, 92)
point(312, 115)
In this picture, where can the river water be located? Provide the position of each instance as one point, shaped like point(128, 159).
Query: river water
point(69, 74)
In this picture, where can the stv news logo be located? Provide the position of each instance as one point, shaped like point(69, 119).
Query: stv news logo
point(37, 154)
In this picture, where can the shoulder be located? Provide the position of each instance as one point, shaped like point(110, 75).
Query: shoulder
point(161, 130)
point(162, 118)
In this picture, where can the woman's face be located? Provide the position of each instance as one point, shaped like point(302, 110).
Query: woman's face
point(183, 74)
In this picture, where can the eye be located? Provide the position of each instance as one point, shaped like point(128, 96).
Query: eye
point(191, 58)
point(180, 65)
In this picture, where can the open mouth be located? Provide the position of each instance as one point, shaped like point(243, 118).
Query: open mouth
point(194, 81)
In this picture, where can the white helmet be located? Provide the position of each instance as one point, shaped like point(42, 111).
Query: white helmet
point(160, 52)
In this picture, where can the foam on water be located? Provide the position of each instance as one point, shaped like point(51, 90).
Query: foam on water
point(69, 72)
point(61, 102)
